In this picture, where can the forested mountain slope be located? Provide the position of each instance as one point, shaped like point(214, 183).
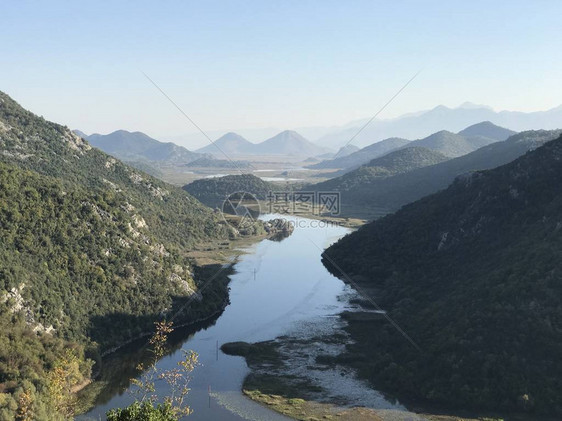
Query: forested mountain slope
point(397, 162)
point(360, 157)
point(473, 275)
point(92, 251)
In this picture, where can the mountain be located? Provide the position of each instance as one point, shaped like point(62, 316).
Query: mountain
point(452, 144)
point(487, 129)
point(229, 144)
point(424, 123)
point(214, 191)
point(393, 163)
point(472, 275)
point(289, 143)
point(443, 141)
point(345, 151)
point(92, 250)
point(364, 155)
point(389, 194)
point(134, 146)
point(285, 143)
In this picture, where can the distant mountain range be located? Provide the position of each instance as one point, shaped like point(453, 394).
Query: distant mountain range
point(288, 143)
point(470, 278)
point(137, 146)
point(422, 124)
point(447, 143)
point(383, 195)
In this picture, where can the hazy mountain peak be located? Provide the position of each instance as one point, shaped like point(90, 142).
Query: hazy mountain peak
point(288, 133)
point(230, 144)
point(133, 146)
point(487, 129)
point(289, 142)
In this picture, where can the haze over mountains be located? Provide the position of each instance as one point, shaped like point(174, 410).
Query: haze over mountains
point(137, 147)
point(422, 124)
point(387, 194)
point(445, 142)
point(229, 144)
point(132, 146)
point(413, 125)
point(287, 143)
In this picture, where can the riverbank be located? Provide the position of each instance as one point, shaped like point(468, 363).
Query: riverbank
point(314, 377)
point(213, 267)
point(276, 286)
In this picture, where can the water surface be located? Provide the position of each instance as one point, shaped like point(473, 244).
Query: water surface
point(277, 285)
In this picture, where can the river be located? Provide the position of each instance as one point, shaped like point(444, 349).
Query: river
point(276, 286)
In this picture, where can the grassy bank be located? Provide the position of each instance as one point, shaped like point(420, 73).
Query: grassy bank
point(273, 385)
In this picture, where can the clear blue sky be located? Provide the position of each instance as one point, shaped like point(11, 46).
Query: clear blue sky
point(243, 64)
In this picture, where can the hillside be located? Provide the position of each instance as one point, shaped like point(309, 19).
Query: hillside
point(213, 191)
point(472, 275)
point(93, 251)
point(451, 144)
point(397, 162)
point(229, 144)
point(487, 129)
point(134, 146)
point(362, 156)
point(391, 193)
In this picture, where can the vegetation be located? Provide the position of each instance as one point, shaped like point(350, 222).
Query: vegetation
point(364, 155)
point(401, 161)
point(452, 144)
point(150, 406)
point(213, 191)
point(487, 129)
point(368, 195)
point(142, 412)
point(92, 251)
point(472, 275)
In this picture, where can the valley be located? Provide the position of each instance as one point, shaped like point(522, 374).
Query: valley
point(275, 211)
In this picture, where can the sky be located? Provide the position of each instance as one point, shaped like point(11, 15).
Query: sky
point(286, 64)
